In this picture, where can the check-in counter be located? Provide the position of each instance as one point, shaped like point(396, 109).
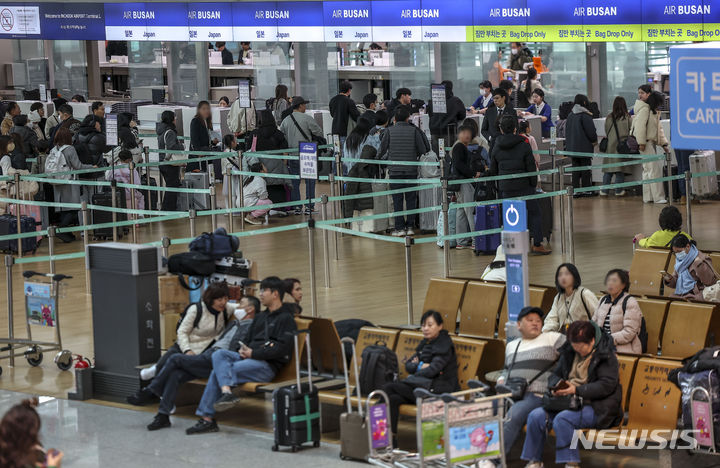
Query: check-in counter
point(25, 107)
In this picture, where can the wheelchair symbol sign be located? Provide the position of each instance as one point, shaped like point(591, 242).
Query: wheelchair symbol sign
point(514, 216)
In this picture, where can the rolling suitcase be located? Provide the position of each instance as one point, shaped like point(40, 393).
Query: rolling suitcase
point(381, 204)
point(701, 406)
point(452, 221)
point(296, 408)
point(101, 216)
point(675, 184)
point(428, 198)
point(487, 217)
point(703, 161)
point(354, 441)
point(196, 201)
point(8, 225)
point(546, 216)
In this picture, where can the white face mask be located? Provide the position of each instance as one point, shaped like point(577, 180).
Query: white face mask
point(240, 314)
point(680, 256)
point(514, 51)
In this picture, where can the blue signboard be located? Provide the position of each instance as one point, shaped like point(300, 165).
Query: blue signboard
point(446, 21)
point(347, 21)
point(397, 20)
point(73, 21)
point(210, 22)
point(514, 216)
point(695, 96)
point(125, 21)
point(254, 21)
point(515, 285)
point(300, 21)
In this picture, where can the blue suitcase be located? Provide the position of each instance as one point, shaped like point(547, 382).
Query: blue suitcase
point(8, 225)
point(487, 217)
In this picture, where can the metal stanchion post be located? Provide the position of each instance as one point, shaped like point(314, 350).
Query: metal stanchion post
point(326, 248)
point(334, 213)
point(668, 164)
point(561, 176)
point(446, 222)
point(17, 213)
point(9, 260)
point(311, 253)
point(688, 197)
point(191, 217)
point(230, 202)
point(213, 206)
point(571, 224)
point(51, 247)
point(409, 241)
point(165, 247)
point(86, 241)
point(553, 162)
point(133, 204)
point(113, 194)
point(338, 191)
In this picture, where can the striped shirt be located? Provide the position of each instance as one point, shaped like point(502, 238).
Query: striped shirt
point(532, 357)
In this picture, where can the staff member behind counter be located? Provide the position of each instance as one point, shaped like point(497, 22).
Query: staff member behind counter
point(483, 101)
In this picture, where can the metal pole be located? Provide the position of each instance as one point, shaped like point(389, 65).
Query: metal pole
point(326, 248)
point(668, 164)
point(213, 206)
point(133, 203)
point(9, 260)
point(571, 224)
point(553, 161)
point(339, 192)
point(311, 253)
point(230, 202)
point(688, 196)
point(113, 194)
point(334, 213)
point(408, 278)
point(561, 176)
point(18, 214)
point(165, 247)
point(86, 223)
point(446, 222)
point(192, 222)
point(51, 247)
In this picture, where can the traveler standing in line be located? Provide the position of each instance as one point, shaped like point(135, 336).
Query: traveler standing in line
point(27, 135)
point(90, 144)
point(227, 56)
point(37, 117)
point(403, 97)
point(297, 127)
point(465, 192)
point(500, 108)
point(572, 302)
point(581, 137)
point(6, 126)
point(19, 154)
point(223, 102)
point(53, 120)
point(356, 141)
point(370, 104)
point(644, 91)
point(441, 123)
point(270, 138)
point(280, 103)
point(617, 128)
point(122, 175)
point(98, 110)
point(403, 142)
point(242, 122)
point(78, 98)
point(513, 155)
point(483, 101)
point(167, 139)
point(619, 313)
point(648, 132)
point(342, 110)
point(543, 109)
point(200, 127)
point(7, 146)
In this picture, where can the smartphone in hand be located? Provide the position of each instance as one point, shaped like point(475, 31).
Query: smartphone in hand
point(562, 385)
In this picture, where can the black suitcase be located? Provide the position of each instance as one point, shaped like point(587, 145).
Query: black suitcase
point(296, 408)
point(100, 216)
point(8, 225)
point(151, 196)
point(546, 216)
point(675, 184)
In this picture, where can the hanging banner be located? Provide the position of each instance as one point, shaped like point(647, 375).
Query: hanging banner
point(210, 22)
point(346, 21)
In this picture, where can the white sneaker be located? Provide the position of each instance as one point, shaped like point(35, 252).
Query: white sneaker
point(397, 233)
point(534, 464)
point(148, 373)
point(410, 232)
point(603, 193)
point(282, 214)
point(661, 202)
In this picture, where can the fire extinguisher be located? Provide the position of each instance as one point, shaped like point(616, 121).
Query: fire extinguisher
point(82, 362)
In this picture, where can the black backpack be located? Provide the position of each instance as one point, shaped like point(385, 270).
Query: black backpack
point(198, 315)
point(379, 367)
point(643, 334)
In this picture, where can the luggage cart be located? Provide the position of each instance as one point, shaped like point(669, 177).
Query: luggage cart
point(457, 429)
point(41, 309)
point(701, 411)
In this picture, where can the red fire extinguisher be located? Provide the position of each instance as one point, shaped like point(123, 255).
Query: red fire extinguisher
point(82, 362)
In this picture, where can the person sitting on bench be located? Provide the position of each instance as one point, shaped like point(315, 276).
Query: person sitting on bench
point(181, 368)
point(195, 335)
point(293, 293)
point(268, 348)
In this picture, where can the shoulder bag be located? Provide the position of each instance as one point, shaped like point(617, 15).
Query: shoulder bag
point(517, 386)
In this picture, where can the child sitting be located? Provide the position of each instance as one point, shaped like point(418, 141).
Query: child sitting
point(255, 194)
point(122, 175)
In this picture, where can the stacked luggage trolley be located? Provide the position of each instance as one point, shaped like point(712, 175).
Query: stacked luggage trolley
point(41, 309)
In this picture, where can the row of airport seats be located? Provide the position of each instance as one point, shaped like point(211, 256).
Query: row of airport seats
point(645, 278)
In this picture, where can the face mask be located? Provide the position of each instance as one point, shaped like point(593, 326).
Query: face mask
point(514, 51)
point(680, 256)
point(240, 314)
point(34, 116)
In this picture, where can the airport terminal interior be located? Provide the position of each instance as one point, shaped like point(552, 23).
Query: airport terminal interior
point(152, 204)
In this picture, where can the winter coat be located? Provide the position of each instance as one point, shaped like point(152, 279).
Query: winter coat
point(127, 136)
point(403, 142)
point(624, 329)
point(199, 141)
point(28, 135)
point(241, 120)
point(518, 60)
point(623, 130)
point(122, 175)
point(583, 304)
point(511, 154)
point(270, 138)
point(349, 155)
point(646, 126)
point(702, 272)
point(94, 141)
point(439, 122)
point(255, 191)
point(51, 123)
point(365, 171)
point(580, 134)
point(167, 139)
point(661, 238)
point(278, 106)
point(342, 109)
point(6, 125)
point(209, 329)
point(306, 122)
point(602, 390)
point(66, 193)
point(443, 368)
point(270, 336)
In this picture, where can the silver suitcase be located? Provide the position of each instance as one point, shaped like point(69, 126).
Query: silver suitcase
point(196, 201)
point(703, 161)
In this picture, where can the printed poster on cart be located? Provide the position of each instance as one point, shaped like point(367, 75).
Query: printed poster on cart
point(40, 306)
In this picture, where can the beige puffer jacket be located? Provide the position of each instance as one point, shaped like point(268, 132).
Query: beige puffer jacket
point(624, 329)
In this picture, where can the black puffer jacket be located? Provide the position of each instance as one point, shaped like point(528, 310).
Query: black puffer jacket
point(439, 122)
point(167, 138)
point(93, 141)
point(29, 137)
point(127, 137)
point(580, 133)
point(603, 390)
point(365, 171)
point(443, 368)
point(512, 155)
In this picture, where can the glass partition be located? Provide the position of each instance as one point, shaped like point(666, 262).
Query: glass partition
point(146, 67)
point(412, 66)
point(30, 64)
point(566, 75)
point(626, 70)
point(190, 77)
point(269, 64)
point(70, 68)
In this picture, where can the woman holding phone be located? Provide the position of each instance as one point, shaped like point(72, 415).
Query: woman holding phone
point(588, 369)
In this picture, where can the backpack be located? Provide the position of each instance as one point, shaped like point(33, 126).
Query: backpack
point(643, 334)
point(198, 315)
point(56, 163)
point(379, 367)
point(191, 264)
point(216, 245)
